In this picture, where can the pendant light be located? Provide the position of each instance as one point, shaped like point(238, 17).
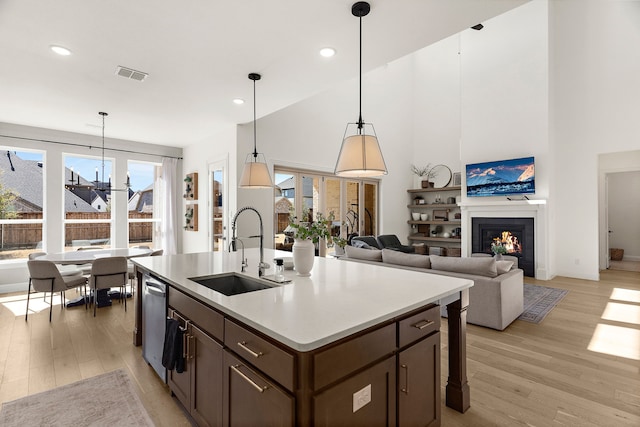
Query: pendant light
point(100, 185)
point(360, 154)
point(256, 172)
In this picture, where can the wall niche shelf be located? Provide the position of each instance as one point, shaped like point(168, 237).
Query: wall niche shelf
point(191, 186)
point(422, 231)
point(191, 217)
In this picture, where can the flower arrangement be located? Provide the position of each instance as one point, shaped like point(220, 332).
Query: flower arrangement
point(427, 172)
point(314, 230)
point(497, 248)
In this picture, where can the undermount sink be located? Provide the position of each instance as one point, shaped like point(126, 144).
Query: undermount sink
point(230, 284)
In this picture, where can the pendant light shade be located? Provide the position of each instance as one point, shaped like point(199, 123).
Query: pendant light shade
point(256, 171)
point(360, 154)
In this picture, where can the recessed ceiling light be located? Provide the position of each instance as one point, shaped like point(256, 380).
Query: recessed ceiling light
point(60, 50)
point(238, 101)
point(327, 52)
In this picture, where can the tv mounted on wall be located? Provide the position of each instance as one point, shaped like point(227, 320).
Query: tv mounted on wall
point(501, 178)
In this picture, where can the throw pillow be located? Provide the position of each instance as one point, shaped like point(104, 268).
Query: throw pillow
point(365, 254)
point(503, 267)
point(471, 265)
point(410, 260)
point(360, 244)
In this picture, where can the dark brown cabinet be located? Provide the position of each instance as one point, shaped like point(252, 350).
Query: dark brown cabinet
point(250, 399)
point(199, 386)
point(234, 376)
point(367, 399)
point(206, 367)
point(419, 383)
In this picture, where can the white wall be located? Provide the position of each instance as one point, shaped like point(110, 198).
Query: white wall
point(595, 104)
point(308, 136)
point(15, 272)
point(197, 158)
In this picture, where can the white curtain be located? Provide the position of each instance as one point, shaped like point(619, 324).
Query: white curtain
point(168, 203)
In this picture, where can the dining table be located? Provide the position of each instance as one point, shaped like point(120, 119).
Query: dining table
point(90, 255)
point(87, 256)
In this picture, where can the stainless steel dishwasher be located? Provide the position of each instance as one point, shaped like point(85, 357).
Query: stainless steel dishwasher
point(154, 315)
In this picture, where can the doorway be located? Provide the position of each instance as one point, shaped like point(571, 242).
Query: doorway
point(622, 216)
point(218, 206)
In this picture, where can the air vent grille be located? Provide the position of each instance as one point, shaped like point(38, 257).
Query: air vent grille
point(131, 74)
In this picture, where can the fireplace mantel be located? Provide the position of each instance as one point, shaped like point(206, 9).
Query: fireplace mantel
point(536, 209)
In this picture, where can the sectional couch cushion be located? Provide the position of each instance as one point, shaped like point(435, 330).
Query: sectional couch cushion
point(364, 254)
point(390, 256)
point(503, 266)
point(479, 266)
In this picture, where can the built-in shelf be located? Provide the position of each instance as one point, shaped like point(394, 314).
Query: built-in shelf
point(433, 190)
point(434, 206)
point(433, 239)
point(435, 222)
point(431, 232)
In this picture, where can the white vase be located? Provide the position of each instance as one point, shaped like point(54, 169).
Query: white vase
point(303, 256)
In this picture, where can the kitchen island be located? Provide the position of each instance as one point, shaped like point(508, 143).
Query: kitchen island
point(353, 344)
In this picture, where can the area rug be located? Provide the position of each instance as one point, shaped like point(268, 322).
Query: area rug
point(539, 301)
point(106, 400)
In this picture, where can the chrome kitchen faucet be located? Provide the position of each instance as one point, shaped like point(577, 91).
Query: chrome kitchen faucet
point(262, 266)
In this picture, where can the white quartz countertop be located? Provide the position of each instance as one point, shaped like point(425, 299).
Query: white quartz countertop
point(337, 300)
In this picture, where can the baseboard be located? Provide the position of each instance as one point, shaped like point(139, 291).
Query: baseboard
point(630, 258)
point(13, 287)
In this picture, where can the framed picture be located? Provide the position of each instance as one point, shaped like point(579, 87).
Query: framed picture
point(456, 179)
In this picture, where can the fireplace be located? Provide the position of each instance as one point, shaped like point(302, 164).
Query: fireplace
point(515, 234)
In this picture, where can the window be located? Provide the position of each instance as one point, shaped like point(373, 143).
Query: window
point(21, 201)
point(144, 214)
point(87, 202)
point(353, 203)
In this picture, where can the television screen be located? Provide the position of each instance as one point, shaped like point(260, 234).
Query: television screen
point(501, 178)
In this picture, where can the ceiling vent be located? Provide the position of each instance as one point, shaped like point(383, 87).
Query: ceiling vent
point(131, 74)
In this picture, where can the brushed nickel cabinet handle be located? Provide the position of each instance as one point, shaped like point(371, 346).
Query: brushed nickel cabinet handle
point(261, 389)
point(405, 389)
point(243, 345)
point(191, 352)
point(423, 324)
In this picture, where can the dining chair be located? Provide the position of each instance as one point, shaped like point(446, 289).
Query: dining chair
point(44, 276)
point(108, 272)
point(86, 268)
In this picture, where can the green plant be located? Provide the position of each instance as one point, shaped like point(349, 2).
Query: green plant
point(424, 171)
point(497, 248)
point(315, 230)
point(339, 241)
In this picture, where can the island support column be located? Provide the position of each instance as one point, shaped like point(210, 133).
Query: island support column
point(457, 390)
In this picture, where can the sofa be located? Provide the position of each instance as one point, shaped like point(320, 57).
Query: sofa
point(495, 300)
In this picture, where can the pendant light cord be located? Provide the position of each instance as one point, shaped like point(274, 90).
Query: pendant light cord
point(360, 123)
point(255, 149)
point(102, 177)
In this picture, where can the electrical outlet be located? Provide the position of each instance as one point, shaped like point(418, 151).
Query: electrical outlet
point(361, 398)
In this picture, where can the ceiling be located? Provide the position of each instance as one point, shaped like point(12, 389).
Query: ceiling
point(198, 54)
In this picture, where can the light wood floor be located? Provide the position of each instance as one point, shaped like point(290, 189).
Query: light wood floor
point(553, 373)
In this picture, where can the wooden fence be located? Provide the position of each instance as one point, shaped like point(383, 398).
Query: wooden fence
point(14, 236)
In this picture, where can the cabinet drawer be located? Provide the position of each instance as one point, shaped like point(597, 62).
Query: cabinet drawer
point(342, 359)
point(418, 325)
point(267, 357)
point(206, 318)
